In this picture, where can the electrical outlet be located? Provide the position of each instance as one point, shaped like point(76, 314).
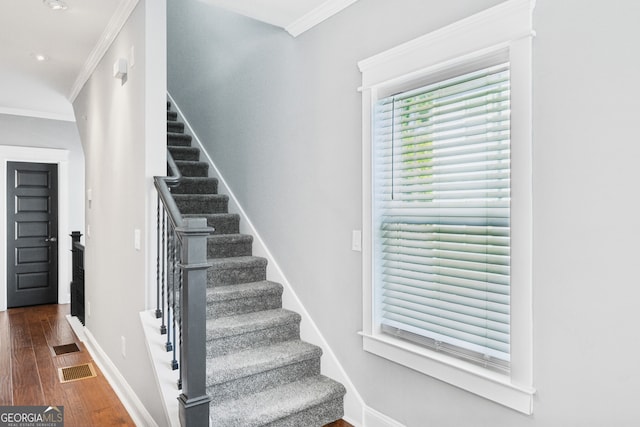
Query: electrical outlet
point(123, 346)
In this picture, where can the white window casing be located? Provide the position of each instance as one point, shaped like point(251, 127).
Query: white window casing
point(499, 35)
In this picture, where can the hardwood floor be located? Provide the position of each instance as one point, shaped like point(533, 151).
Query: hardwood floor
point(339, 423)
point(29, 369)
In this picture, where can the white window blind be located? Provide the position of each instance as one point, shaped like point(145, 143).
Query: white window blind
point(441, 214)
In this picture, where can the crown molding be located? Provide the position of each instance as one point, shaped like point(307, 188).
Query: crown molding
point(38, 114)
point(325, 11)
point(117, 21)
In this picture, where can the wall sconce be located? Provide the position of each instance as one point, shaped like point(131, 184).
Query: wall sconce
point(120, 69)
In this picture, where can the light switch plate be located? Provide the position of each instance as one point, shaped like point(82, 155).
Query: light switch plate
point(136, 239)
point(356, 240)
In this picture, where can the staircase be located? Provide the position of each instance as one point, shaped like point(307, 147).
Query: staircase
point(259, 372)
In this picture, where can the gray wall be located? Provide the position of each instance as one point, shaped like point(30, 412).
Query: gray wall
point(281, 118)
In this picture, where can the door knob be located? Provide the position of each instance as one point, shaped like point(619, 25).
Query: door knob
point(51, 239)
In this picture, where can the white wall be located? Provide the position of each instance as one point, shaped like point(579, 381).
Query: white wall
point(281, 118)
point(32, 139)
point(116, 122)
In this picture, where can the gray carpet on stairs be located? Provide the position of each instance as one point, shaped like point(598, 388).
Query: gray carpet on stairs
point(259, 372)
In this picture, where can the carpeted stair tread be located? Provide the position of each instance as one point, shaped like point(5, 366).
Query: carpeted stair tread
point(244, 290)
point(180, 139)
point(229, 245)
point(185, 153)
point(258, 369)
point(243, 298)
point(196, 185)
point(241, 261)
point(191, 168)
point(201, 203)
point(223, 223)
point(249, 322)
point(173, 126)
point(278, 406)
point(235, 270)
point(255, 360)
point(231, 334)
point(172, 116)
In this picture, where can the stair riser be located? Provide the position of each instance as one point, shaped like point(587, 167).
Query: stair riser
point(197, 206)
point(264, 380)
point(227, 225)
point(172, 115)
point(225, 345)
point(319, 415)
point(235, 275)
point(175, 127)
point(179, 140)
point(209, 186)
point(227, 250)
point(185, 153)
point(199, 169)
point(218, 309)
point(224, 223)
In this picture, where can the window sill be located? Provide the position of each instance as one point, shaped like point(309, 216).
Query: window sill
point(469, 377)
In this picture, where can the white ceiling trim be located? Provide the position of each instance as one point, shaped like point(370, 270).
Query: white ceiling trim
point(325, 11)
point(37, 114)
point(117, 21)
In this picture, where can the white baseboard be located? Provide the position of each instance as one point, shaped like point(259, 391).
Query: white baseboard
point(373, 418)
point(165, 377)
point(77, 326)
point(309, 331)
point(137, 411)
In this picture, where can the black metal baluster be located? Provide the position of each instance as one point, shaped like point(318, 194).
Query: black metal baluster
point(180, 319)
point(158, 310)
point(163, 327)
point(170, 303)
point(175, 304)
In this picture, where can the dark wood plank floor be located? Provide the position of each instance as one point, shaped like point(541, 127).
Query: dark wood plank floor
point(339, 423)
point(29, 369)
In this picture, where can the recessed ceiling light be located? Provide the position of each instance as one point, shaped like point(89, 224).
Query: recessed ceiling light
point(40, 57)
point(56, 4)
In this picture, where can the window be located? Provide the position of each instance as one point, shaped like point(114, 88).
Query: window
point(447, 226)
point(441, 215)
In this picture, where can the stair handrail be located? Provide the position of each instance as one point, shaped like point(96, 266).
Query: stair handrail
point(164, 184)
point(192, 233)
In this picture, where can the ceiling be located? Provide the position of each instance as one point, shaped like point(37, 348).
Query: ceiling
point(70, 40)
point(295, 16)
point(67, 38)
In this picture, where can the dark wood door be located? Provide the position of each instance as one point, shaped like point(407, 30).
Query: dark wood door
point(32, 232)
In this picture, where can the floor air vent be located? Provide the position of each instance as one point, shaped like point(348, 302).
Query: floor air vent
point(65, 349)
point(78, 372)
